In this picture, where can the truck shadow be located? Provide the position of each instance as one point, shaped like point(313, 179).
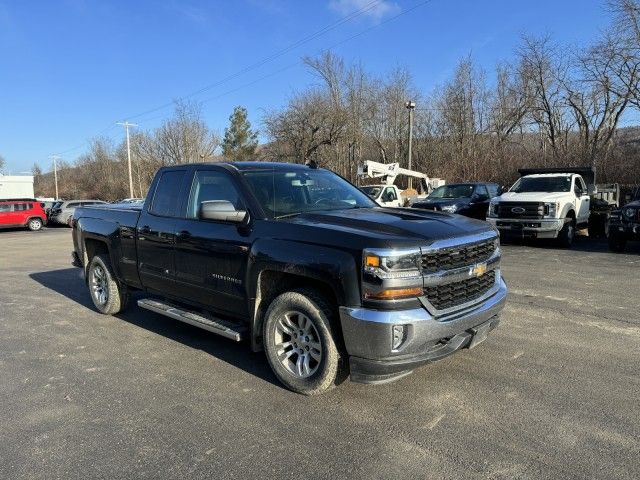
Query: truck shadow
point(69, 282)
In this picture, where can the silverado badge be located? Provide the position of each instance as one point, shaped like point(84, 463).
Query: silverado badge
point(478, 270)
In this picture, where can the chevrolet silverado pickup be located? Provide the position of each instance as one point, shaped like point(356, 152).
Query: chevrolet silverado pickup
point(299, 263)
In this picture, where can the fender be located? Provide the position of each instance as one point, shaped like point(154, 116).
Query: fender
point(337, 269)
point(565, 210)
point(110, 233)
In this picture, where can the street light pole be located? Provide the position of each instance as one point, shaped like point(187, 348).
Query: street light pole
point(411, 105)
point(55, 172)
point(126, 126)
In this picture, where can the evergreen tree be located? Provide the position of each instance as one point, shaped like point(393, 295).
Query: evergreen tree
point(240, 141)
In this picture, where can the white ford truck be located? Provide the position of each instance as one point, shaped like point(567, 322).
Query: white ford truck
point(545, 203)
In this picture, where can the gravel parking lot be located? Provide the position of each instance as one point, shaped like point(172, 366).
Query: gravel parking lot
point(553, 392)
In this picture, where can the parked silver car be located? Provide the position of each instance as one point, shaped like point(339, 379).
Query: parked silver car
point(62, 212)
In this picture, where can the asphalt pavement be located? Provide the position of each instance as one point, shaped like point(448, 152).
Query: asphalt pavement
point(554, 392)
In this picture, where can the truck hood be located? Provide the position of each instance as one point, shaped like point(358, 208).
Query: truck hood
point(534, 196)
point(393, 224)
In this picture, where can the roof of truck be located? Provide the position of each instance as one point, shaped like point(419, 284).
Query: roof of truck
point(249, 165)
point(559, 174)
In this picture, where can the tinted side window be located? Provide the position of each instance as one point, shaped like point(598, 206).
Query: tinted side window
point(212, 185)
point(165, 199)
point(20, 207)
point(5, 207)
point(71, 205)
point(493, 190)
point(482, 192)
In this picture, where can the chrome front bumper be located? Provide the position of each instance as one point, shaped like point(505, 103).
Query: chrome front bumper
point(541, 228)
point(368, 335)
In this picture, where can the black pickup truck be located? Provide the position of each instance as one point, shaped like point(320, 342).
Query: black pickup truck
point(302, 264)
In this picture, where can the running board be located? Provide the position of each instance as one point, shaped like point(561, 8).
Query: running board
point(214, 325)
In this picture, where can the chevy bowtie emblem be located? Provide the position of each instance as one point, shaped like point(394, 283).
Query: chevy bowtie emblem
point(518, 210)
point(478, 270)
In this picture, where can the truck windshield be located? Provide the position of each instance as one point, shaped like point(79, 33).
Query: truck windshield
point(283, 193)
point(452, 191)
point(542, 184)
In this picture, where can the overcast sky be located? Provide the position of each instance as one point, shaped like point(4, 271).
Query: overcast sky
point(70, 69)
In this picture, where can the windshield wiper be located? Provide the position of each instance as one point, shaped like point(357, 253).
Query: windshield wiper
point(288, 215)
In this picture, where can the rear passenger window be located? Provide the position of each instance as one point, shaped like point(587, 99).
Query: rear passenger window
point(165, 199)
point(493, 190)
point(20, 207)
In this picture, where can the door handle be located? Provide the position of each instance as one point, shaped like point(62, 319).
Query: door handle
point(183, 235)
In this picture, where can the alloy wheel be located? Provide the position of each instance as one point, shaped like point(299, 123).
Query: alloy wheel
point(298, 344)
point(99, 287)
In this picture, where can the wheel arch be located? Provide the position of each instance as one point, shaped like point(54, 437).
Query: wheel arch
point(275, 264)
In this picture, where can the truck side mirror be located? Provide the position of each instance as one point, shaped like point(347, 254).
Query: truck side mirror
point(221, 211)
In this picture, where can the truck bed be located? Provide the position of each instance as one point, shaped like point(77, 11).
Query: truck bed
point(115, 222)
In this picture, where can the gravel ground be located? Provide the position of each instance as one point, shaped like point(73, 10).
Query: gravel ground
point(552, 393)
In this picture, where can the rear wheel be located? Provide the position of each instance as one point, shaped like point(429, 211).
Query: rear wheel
point(34, 224)
point(568, 232)
point(300, 344)
point(107, 295)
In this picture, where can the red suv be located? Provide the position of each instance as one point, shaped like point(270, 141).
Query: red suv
point(25, 212)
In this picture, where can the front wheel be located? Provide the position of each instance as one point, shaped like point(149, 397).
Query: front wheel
point(566, 235)
point(107, 295)
point(300, 344)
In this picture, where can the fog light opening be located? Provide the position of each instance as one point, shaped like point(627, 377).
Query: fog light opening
point(399, 335)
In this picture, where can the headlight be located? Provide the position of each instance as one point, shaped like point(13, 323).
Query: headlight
point(550, 209)
point(629, 212)
point(450, 208)
point(389, 274)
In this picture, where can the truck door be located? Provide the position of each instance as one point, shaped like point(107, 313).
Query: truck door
point(156, 233)
point(480, 202)
point(211, 256)
point(583, 202)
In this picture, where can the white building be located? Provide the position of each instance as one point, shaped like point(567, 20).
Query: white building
point(16, 186)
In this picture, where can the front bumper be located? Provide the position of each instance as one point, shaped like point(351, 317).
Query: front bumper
point(368, 336)
point(628, 230)
point(525, 227)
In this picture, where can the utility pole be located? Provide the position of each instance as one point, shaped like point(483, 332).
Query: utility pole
point(411, 105)
point(55, 158)
point(126, 126)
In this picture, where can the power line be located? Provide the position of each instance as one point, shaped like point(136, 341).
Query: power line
point(274, 56)
point(267, 59)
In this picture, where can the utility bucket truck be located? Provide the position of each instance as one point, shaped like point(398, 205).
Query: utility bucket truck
point(387, 194)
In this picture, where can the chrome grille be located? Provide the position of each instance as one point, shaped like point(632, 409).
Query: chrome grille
point(456, 257)
point(522, 210)
point(457, 293)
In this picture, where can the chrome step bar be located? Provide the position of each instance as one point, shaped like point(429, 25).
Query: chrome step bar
point(214, 325)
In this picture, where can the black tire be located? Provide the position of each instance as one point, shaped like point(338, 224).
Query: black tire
point(34, 224)
point(617, 243)
point(108, 296)
point(322, 374)
point(566, 235)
